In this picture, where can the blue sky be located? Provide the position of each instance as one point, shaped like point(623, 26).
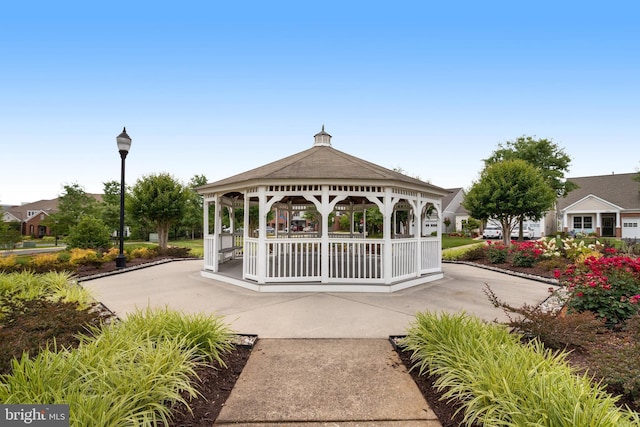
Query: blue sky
point(218, 88)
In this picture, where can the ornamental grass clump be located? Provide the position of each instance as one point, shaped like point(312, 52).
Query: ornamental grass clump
point(53, 286)
point(127, 373)
point(606, 286)
point(502, 382)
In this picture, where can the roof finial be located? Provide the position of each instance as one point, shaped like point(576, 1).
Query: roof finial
point(323, 127)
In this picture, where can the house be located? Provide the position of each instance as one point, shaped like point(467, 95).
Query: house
point(607, 205)
point(31, 216)
point(453, 211)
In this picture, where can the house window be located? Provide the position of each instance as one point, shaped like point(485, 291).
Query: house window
point(582, 222)
point(577, 222)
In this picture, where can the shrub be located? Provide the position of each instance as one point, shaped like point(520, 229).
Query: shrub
point(550, 248)
point(552, 264)
point(497, 252)
point(607, 286)
point(111, 254)
point(42, 263)
point(144, 252)
point(8, 263)
point(525, 254)
point(573, 249)
point(473, 254)
point(85, 257)
point(177, 252)
point(554, 329)
point(90, 233)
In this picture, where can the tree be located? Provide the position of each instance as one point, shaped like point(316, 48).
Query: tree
point(194, 214)
point(160, 200)
point(10, 234)
point(73, 204)
point(544, 154)
point(111, 204)
point(508, 191)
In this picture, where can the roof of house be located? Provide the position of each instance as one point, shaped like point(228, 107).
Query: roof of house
point(21, 211)
point(619, 189)
point(446, 200)
point(46, 206)
point(321, 162)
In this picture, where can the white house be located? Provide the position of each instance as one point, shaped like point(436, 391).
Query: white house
point(607, 205)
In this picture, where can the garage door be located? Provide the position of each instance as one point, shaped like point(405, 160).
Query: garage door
point(631, 228)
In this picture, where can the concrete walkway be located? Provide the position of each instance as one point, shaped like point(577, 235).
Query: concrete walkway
point(312, 365)
point(344, 382)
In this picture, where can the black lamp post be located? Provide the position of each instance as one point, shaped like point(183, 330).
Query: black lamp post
point(124, 143)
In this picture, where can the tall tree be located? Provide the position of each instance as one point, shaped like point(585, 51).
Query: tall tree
point(192, 219)
point(111, 204)
point(508, 191)
point(542, 153)
point(160, 200)
point(73, 204)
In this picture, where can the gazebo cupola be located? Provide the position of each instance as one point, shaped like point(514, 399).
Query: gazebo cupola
point(322, 139)
point(339, 198)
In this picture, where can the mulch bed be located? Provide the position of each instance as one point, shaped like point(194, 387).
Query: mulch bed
point(449, 412)
point(214, 384)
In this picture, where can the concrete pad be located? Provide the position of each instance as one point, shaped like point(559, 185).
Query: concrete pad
point(179, 286)
point(326, 382)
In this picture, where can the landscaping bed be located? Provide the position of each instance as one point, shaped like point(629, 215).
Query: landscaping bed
point(608, 352)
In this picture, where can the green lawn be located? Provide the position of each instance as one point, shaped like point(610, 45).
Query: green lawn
point(197, 248)
point(452, 242)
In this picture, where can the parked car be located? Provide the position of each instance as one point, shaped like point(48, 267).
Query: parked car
point(527, 233)
point(270, 230)
point(492, 232)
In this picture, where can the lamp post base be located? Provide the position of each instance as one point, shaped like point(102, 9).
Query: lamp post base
point(121, 261)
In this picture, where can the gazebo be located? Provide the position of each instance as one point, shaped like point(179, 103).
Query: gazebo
point(323, 184)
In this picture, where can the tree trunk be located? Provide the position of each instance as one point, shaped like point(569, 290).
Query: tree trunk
point(163, 236)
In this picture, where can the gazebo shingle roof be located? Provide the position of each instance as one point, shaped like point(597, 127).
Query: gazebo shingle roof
point(321, 162)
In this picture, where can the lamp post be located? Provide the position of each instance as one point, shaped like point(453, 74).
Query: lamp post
point(124, 143)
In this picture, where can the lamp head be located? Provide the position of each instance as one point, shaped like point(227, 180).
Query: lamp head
point(124, 141)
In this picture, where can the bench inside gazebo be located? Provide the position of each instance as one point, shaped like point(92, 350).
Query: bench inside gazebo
point(323, 183)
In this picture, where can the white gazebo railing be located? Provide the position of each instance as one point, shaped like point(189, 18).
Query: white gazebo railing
point(353, 260)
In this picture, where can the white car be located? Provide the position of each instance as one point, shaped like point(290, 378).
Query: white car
point(492, 232)
point(527, 233)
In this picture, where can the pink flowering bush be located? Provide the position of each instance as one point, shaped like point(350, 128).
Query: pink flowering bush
point(525, 254)
point(497, 252)
point(607, 286)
